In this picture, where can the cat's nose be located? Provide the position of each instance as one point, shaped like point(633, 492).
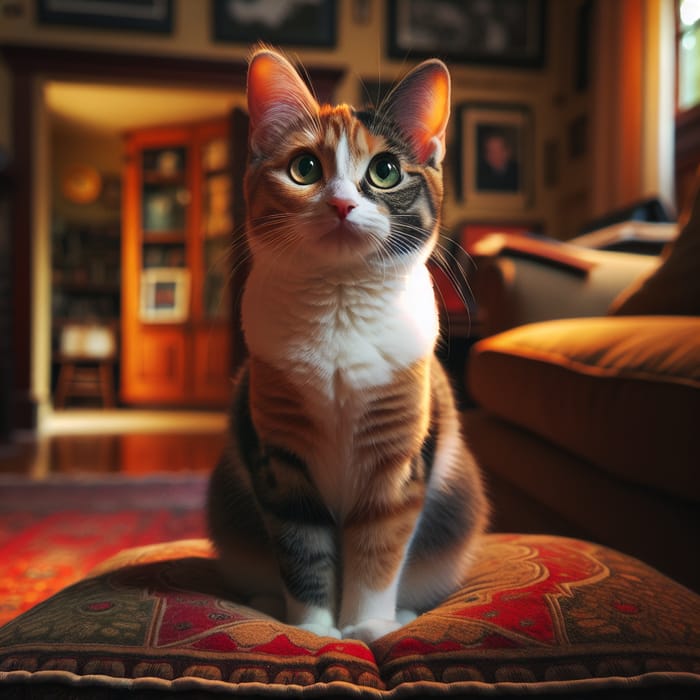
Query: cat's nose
point(342, 206)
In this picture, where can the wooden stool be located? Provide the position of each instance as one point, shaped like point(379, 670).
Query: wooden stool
point(86, 377)
point(86, 358)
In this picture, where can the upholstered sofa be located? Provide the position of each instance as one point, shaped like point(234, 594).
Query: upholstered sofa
point(589, 426)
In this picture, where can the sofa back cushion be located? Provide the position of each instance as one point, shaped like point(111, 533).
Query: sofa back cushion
point(674, 287)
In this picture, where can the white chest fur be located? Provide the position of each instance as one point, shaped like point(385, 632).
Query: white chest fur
point(319, 329)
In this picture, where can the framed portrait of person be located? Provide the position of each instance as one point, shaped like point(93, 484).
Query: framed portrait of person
point(495, 164)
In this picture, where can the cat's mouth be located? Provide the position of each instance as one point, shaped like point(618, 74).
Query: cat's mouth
point(345, 236)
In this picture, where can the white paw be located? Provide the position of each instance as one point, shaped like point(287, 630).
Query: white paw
point(404, 615)
point(371, 629)
point(321, 630)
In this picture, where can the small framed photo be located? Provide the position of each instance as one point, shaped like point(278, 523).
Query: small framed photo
point(508, 33)
point(300, 23)
point(495, 151)
point(140, 15)
point(165, 295)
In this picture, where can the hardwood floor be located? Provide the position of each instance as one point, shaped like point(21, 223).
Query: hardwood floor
point(119, 442)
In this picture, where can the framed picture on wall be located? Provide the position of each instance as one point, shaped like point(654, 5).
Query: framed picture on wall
point(165, 295)
point(495, 156)
point(301, 23)
point(141, 15)
point(509, 33)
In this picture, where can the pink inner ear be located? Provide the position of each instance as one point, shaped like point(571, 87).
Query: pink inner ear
point(422, 108)
point(276, 93)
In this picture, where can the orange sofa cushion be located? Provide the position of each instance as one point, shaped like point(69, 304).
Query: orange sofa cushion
point(621, 392)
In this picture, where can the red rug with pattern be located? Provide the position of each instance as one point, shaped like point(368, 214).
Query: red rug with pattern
point(52, 533)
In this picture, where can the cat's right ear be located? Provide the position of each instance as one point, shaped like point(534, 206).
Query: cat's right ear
point(276, 97)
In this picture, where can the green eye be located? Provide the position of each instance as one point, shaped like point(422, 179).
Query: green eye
point(305, 169)
point(384, 172)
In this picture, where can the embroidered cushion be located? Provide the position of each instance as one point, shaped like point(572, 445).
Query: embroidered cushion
point(538, 613)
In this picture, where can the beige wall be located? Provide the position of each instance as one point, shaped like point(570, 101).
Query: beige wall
point(76, 146)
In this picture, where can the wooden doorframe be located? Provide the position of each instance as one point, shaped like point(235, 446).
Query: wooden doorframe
point(28, 65)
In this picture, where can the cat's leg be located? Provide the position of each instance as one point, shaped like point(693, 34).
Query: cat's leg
point(307, 559)
point(302, 533)
point(448, 532)
point(374, 551)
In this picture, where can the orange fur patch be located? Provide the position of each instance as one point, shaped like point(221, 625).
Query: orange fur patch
point(277, 410)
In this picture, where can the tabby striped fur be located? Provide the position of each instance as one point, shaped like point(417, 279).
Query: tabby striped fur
point(346, 486)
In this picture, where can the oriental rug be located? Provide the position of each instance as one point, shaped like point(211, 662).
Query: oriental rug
point(53, 532)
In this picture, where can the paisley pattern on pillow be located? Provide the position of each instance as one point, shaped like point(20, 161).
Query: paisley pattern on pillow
point(537, 610)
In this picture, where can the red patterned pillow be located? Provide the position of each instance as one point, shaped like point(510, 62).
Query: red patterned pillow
point(538, 613)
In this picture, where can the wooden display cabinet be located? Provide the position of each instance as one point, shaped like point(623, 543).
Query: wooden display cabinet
point(177, 237)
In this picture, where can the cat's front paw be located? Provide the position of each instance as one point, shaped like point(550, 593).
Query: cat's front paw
point(371, 629)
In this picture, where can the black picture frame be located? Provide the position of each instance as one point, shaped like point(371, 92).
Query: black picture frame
point(504, 179)
point(137, 15)
point(506, 33)
point(306, 25)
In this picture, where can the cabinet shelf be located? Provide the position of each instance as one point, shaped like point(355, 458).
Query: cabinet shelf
point(156, 178)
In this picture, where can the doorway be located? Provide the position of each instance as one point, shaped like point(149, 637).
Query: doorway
point(87, 124)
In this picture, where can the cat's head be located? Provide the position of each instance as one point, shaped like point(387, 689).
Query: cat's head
point(332, 186)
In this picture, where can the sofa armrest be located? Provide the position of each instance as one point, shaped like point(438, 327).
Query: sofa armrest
point(514, 285)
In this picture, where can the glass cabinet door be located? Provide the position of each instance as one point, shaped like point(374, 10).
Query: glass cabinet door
point(165, 193)
point(164, 201)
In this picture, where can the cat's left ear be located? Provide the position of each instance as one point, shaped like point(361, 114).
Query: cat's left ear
point(277, 96)
point(420, 105)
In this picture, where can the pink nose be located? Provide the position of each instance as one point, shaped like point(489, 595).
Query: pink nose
point(342, 206)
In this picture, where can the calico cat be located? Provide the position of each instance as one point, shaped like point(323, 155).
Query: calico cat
point(346, 487)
